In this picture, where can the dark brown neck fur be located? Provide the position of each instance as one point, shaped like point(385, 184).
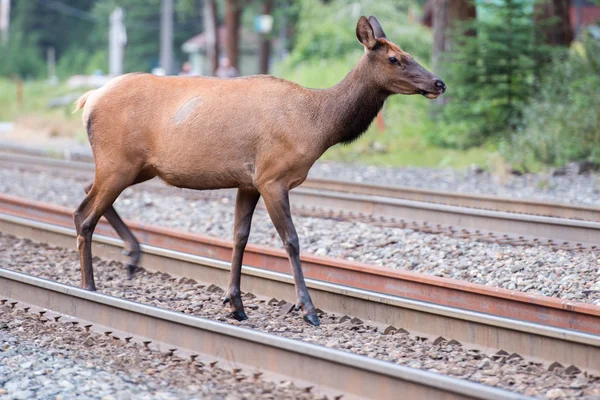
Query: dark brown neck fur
point(351, 106)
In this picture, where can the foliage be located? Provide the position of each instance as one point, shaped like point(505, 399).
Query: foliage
point(562, 124)
point(326, 31)
point(36, 26)
point(491, 75)
point(78, 31)
point(20, 57)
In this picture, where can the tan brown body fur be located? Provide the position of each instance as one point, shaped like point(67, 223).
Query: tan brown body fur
point(234, 136)
point(259, 134)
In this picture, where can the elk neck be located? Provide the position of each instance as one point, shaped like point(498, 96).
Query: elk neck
point(348, 108)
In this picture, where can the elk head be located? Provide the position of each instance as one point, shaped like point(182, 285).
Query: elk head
point(395, 70)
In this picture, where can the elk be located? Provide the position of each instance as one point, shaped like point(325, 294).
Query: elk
point(259, 134)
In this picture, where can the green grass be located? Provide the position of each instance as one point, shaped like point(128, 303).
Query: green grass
point(407, 122)
point(34, 112)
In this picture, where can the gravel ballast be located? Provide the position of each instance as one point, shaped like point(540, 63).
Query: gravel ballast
point(570, 275)
point(54, 360)
point(187, 296)
point(563, 186)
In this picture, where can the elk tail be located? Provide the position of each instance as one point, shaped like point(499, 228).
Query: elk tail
point(80, 103)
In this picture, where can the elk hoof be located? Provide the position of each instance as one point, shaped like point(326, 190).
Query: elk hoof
point(312, 319)
point(238, 315)
point(91, 287)
point(131, 269)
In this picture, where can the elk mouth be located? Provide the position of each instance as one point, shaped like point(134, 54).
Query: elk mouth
point(429, 95)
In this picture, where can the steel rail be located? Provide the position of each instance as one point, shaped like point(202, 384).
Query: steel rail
point(444, 291)
point(480, 201)
point(540, 228)
point(353, 375)
point(544, 343)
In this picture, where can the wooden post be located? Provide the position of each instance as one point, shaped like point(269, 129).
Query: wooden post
point(19, 92)
point(380, 122)
point(233, 14)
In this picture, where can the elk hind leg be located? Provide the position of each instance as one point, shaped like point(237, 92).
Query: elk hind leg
point(97, 201)
point(133, 250)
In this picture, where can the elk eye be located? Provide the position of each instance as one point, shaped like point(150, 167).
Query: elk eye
point(393, 60)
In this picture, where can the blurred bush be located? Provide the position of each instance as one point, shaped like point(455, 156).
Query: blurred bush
point(20, 57)
point(562, 123)
point(326, 31)
point(491, 75)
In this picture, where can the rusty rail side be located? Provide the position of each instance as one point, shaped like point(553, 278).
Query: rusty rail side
point(526, 229)
point(354, 375)
point(484, 332)
point(448, 292)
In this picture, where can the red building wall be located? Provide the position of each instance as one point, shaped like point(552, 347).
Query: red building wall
point(589, 15)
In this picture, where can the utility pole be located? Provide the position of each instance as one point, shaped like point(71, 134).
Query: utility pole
point(265, 41)
point(51, 61)
point(166, 37)
point(4, 20)
point(211, 30)
point(117, 39)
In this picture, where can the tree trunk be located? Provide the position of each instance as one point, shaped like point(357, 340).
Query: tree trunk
point(446, 15)
point(555, 13)
point(265, 42)
point(211, 28)
point(233, 14)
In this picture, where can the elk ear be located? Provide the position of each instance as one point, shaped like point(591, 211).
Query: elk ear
point(377, 29)
point(365, 34)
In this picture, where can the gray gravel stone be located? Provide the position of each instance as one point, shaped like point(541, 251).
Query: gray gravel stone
point(110, 371)
point(162, 290)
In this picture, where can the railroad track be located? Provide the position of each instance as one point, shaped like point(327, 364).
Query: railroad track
point(333, 372)
point(515, 324)
point(483, 218)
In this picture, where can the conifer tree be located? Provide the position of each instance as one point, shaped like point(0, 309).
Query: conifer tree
point(491, 76)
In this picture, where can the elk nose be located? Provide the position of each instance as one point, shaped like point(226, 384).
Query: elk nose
point(440, 85)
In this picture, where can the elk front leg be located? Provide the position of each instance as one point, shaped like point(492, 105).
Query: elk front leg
point(278, 204)
point(245, 204)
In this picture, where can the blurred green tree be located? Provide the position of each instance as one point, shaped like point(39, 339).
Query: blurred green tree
point(490, 76)
point(327, 30)
point(39, 25)
point(563, 123)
